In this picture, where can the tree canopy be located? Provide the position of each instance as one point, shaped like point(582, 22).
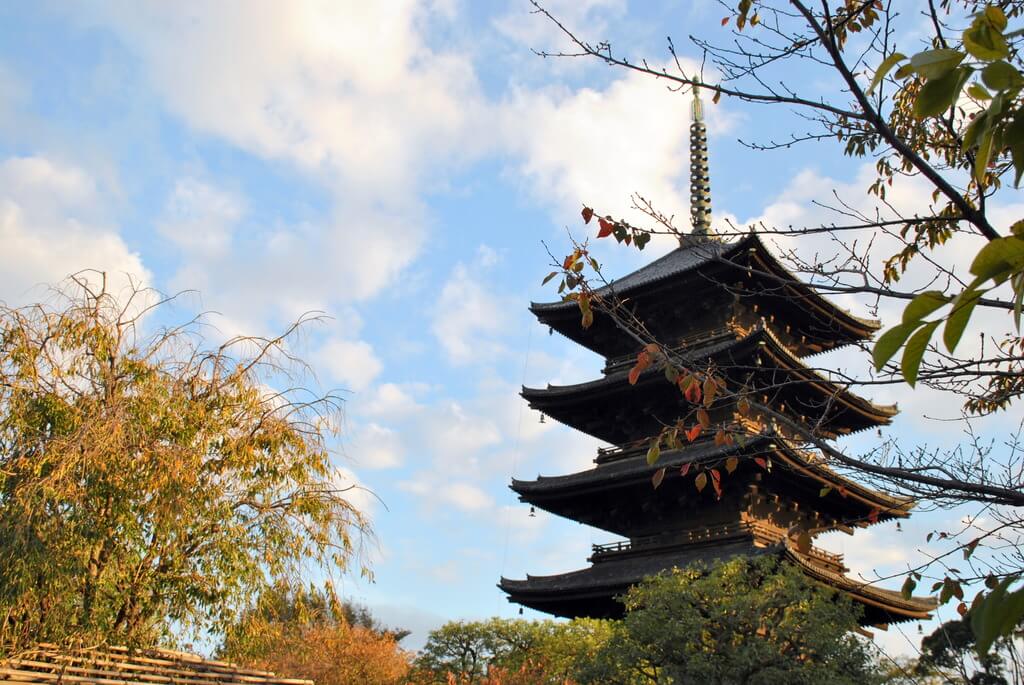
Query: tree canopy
point(748, 621)
point(147, 481)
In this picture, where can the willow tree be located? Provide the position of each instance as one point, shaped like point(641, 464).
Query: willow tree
point(148, 482)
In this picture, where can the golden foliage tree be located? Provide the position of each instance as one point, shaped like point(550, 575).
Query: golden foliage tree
point(146, 481)
point(310, 634)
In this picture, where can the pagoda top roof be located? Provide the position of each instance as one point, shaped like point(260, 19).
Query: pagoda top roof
point(631, 470)
point(690, 258)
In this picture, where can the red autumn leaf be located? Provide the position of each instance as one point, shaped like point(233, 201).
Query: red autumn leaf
point(691, 390)
point(743, 406)
point(761, 462)
point(605, 228)
point(961, 609)
point(643, 360)
point(658, 476)
point(842, 492)
point(692, 434)
point(588, 214)
point(703, 418)
point(715, 475)
point(628, 239)
point(717, 486)
point(570, 260)
point(725, 20)
point(710, 389)
point(684, 469)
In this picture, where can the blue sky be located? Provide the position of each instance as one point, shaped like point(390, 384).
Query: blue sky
point(397, 165)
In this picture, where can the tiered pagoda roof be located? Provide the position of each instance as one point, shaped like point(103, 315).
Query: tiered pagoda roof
point(733, 307)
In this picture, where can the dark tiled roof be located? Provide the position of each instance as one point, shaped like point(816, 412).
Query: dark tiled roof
point(678, 261)
point(119, 666)
point(734, 348)
point(636, 468)
point(616, 573)
point(699, 253)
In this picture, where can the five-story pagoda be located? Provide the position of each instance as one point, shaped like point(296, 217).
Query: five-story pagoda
point(733, 307)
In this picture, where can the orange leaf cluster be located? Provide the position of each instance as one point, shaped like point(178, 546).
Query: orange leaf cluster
point(643, 360)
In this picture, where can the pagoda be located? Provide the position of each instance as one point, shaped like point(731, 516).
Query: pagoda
point(733, 305)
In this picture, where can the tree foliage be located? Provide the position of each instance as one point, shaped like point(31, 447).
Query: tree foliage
point(146, 480)
point(509, 651)
point(310, 633)
point(750, 621)
point(949, 652)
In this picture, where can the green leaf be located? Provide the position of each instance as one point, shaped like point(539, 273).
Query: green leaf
point(958, 317)
point(549, 277)
point(983, 153)
point(983, 42)
point(824, 491)
point(936, 63)
point(974, 129)
point(996, 614)
point(890, 341)
point(994, 16)
point(654, 451)
point(1015, 134)
point(908, 587)
point(939, 93)
point(978, 92)
point(887, 64)
point(1018, 298)
point(998, 257)
point(905, 71)
point(924, 304)
point(914, 352)
point(1001, 75)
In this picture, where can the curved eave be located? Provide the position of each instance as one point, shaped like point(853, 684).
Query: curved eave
point(894, 603)
point(634, 470)
point(679, 261)
point(685, 260)
point(862, 327)
point(882, 413)
point(887, 506)
point(539, 398)
point(591, 591)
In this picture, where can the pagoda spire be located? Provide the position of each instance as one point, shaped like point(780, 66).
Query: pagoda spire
point(700, 177)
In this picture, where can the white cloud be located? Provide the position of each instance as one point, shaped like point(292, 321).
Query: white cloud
point(528, 28)
point(347, 86)
point(598, 147)
point(470, 317)
point(375, 447)
point(350, 95)
point(390, 401)
point(350, 362)
point(200, 218)
point(437, 491)
point(49, 230)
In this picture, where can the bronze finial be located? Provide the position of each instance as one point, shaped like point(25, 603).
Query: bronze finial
point(700, 177)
